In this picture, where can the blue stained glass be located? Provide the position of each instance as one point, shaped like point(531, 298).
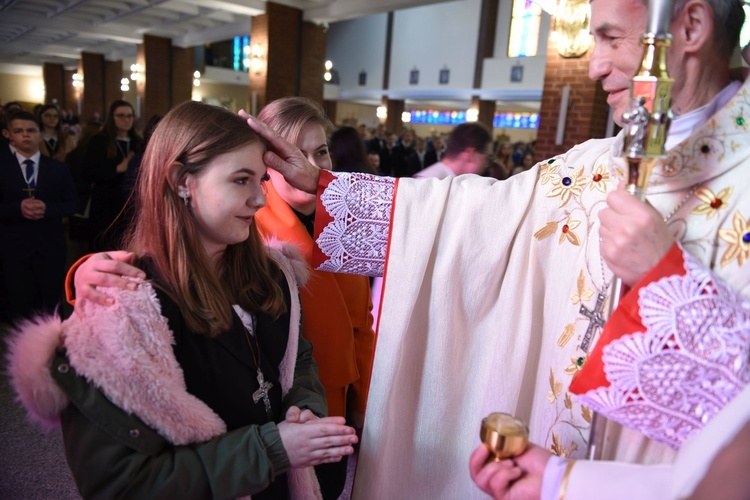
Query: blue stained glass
point(501, 120)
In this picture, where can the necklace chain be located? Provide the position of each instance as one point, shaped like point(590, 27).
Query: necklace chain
point(682, 202)
point(119, 147)
point(254, 351)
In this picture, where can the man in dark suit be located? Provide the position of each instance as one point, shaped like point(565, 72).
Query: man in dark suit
point(400, 155)
point(36, 192)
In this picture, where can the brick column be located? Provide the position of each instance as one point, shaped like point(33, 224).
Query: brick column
point(93, 86)
point(393, 121)
point(587, 109)
point(112, 76)
point(54, 83)
point(292, 53)
point(312, 64)
point(167, 76)
point(157, 88)
point(182, 75)
point(486, 111)
point(71, 96)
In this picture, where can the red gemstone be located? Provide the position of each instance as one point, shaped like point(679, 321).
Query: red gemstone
point(597, 177)
point(565, 228)
point(716, 203)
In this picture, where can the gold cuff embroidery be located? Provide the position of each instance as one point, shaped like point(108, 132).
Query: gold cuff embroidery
point(566, 477)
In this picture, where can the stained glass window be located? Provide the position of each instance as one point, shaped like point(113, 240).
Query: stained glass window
point(500, 120)
point(524, 29)
point(238, 55)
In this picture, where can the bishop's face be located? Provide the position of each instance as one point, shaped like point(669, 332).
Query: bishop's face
point(617, 26)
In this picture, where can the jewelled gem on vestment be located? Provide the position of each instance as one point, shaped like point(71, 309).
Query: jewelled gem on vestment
point(566, 181)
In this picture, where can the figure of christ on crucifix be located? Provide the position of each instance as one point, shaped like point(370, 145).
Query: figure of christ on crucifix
point(596, 320)
point(262, 393)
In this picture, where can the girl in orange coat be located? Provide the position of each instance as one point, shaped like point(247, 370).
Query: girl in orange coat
point(336, 308)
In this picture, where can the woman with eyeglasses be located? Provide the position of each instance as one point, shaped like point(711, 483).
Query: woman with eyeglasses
point(56, 142)
point(105, 165)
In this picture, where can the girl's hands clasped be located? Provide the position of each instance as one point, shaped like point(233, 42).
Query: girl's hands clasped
point(310, 440)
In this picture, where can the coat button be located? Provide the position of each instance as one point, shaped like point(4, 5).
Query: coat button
point(134, 433)
point(63, 368)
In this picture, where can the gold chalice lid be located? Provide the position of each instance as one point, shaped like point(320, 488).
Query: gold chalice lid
point(504, 435)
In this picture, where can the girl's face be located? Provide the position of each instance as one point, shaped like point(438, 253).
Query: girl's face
point(505, 149)
point(123, 118)
point(313, 143)
point(528, 162)
point(50, 118)
point(225, 195)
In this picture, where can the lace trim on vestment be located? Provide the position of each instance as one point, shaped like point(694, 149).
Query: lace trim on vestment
point(355, 242)
point(671, 380)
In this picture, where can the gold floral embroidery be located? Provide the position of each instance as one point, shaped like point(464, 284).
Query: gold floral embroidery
point(567, 232)
point(558, 449)
point(548, 170)
point(582, 293)
point(566, 335)
point(738, 239)
point(568, 186)
point(575, 365)
point(599, 179)
point(586, 413)
point(741, 122)
point(712, 203)
point(568, 401)
point(549, 229)
point(555, 387)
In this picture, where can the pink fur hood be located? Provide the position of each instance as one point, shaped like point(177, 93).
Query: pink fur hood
point(137, 371)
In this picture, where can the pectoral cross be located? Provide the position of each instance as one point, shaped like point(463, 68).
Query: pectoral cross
point(596, 320)
point(262, 393)
point(29, 191)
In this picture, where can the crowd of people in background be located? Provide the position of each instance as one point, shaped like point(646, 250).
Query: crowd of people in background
point(103, 156)
point(407, 154)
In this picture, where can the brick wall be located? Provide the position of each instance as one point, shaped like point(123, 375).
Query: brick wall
point(587, 110)
point(294, 56)
point(283, 50)
point(54, 83)
point(312, 65)
point(71, 99)
point(393, 121)
point(157, 69)
point(182, 75)
point(112, 77)
point(93, 86)
point(259, 80)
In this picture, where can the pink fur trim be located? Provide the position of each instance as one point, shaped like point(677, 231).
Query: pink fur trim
point(290, 267)
point(303, 484)
point(31, 347)
point(292, 259)
point(126, 350)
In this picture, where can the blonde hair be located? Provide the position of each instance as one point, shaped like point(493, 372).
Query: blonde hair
point(164, 230)
point(289, 115)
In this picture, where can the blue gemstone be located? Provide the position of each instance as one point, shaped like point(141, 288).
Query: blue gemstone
point(566, 181)
point(746, 237)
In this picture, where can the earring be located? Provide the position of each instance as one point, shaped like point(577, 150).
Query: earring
point(184, 193)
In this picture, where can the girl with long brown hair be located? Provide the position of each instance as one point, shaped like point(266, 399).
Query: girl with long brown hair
point(195, 382)
point(336, 307)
